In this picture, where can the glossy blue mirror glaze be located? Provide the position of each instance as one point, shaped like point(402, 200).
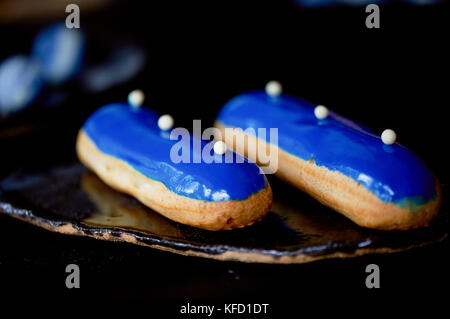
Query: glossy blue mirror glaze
point(134, 137)
point(392, 172)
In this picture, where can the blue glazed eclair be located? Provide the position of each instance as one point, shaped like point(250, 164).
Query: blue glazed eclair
point(342, 164)
point(127, 149)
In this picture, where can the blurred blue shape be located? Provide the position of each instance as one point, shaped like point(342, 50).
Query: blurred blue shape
point(20, 83)
point(60, 52)
point(124, 63)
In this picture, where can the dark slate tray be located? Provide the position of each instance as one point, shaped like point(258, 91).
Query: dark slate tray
point(71, 200)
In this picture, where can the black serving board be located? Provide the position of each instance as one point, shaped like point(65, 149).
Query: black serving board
point(70, 199)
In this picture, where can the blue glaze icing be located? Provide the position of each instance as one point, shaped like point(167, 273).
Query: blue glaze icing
point(392, 172)
point(60, 52)
point(134, 137)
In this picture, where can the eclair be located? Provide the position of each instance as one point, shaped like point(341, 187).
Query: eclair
point(130, 152)
point(371, 179)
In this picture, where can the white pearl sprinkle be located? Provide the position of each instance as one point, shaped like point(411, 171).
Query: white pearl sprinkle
point(165, 122)
point(220, 148)
point(388, 137)
point(136, 98)
point(274, 88)
point(321, 112)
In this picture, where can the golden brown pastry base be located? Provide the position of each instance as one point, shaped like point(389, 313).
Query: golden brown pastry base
point(203, 214)
point(338, 191)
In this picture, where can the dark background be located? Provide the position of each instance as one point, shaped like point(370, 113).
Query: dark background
point(201, 55)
